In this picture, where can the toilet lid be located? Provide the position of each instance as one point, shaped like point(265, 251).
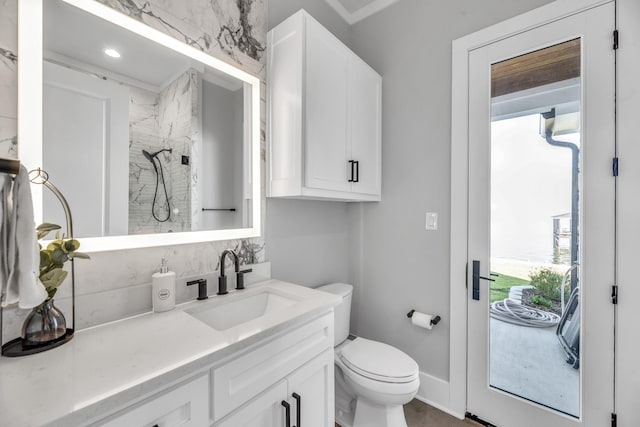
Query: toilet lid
point(379, 361)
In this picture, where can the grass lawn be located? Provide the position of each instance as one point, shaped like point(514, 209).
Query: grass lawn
point(500, 288)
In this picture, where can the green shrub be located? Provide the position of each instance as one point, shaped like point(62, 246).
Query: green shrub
point(547, 282)
point(538, 300)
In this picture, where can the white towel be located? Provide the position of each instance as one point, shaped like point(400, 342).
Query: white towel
point(23, 254)
point(5, 195)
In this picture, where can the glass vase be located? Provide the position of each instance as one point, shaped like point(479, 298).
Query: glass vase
point(43, 325)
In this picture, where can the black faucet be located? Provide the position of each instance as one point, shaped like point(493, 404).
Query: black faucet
point(202, 288)
point(222, 279)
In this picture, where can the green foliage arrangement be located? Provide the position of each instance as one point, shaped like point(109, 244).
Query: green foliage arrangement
point(53, 257)
point(547, 282)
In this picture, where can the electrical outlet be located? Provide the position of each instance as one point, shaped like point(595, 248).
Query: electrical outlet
point(431, 221)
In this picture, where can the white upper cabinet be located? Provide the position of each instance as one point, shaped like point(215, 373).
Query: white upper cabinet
point(324, 116)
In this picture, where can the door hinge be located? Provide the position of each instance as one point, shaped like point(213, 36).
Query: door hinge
point(614, 294)
point(614, 419)
point(614, 166)
point(615, 39)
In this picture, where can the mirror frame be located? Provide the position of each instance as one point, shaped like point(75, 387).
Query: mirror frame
point(30, 117)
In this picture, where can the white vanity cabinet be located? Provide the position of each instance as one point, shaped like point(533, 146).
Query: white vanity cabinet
point(186, 405)
point(293, 371)
point(307, 396)
point(324, 116)
point(181, 368)
point(266, 410)
point(311, 392)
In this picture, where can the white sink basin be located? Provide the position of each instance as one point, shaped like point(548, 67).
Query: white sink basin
point(241, 309)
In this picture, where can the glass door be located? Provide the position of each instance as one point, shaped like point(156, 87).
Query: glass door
point(540, 223)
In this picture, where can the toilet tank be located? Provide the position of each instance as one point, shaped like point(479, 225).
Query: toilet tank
point(342, 311)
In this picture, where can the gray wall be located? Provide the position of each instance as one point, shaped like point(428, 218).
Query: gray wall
point(308, 241)
point(220, 143)
point(383, 248)
point(403, 265)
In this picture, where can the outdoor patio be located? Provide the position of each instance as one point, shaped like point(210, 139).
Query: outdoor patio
point(530, 363)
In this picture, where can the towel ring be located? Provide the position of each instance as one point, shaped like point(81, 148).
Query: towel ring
point(41, 176)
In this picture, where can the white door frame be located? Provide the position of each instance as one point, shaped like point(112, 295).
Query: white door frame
point(459, 176)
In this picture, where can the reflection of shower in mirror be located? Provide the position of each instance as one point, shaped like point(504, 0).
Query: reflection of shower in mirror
point(153, 98)
point(159, 176)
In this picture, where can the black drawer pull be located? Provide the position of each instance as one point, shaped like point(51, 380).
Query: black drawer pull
point(297, 397)
point(352, 163)
point(287, 413)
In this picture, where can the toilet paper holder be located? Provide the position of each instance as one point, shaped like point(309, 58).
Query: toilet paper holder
point(434, 321)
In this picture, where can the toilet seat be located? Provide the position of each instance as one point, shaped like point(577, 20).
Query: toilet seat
point(378, 361)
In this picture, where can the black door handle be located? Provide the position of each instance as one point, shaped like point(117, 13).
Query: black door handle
point(352, 163)
point(287, 413)
point(297, 397)
point(476, 280)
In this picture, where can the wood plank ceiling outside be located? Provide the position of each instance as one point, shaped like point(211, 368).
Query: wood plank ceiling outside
point(542, 67)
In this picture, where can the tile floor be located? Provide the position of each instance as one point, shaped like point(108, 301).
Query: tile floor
point(420, 414)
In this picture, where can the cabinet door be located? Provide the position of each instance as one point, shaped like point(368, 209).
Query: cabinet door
point(326, 133)
point(314, 392)
point(365, 91)
point(265, 410)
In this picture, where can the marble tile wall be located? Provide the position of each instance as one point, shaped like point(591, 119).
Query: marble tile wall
point(143, 111)
point(8, 78)
point(167, 119)
point(179, 121)
point(142, 185)
point(232, 30)
point(114, 285)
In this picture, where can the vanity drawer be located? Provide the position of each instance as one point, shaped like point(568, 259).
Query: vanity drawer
point(236, 382)
point(184, 406)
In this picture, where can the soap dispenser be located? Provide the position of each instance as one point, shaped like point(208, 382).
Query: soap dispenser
point(163, 288)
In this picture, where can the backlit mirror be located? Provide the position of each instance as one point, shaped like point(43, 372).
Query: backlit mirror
point(144, 135)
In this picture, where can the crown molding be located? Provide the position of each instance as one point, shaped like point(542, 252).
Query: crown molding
point(362, 13)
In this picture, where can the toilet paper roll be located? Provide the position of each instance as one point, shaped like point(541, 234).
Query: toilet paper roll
point(422, 320)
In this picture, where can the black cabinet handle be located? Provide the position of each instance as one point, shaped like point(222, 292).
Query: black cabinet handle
point(287, 413)
point(297, 397)
point(357, 162)
point(352, 163)
point(476, 280)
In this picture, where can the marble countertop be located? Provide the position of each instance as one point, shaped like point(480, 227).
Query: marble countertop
point(107, 367)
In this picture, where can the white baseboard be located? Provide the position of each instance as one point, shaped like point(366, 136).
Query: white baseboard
point(435, 392)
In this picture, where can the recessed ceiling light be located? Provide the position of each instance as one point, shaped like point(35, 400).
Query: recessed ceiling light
point(112, 53)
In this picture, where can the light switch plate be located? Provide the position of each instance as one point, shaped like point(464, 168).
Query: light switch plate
point(431, 221)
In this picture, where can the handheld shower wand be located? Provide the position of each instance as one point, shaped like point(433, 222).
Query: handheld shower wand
point(152, 158)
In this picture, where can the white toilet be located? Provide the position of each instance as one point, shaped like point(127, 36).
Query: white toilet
point(372, 380)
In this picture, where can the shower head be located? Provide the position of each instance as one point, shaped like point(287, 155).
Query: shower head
point(148, 155)
point(151, 156)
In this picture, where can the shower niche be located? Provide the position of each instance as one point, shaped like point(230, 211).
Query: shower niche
point(145, 134)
